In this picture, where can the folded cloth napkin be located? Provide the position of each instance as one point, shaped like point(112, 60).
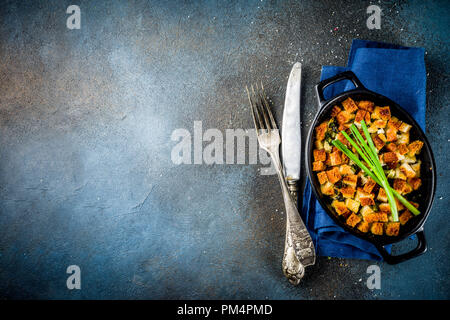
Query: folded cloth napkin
point(396, 72)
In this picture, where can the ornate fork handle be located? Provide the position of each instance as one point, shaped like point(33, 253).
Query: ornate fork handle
point(298, 247)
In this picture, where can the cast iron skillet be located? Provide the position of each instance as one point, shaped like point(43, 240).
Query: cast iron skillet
point(424, 196)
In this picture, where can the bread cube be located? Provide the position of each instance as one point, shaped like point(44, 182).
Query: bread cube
point(351, 180)
point(366, 105)
point(404, 217)
point(367, 201)
point(318, 166)
point(319, 155)
point(345, 169)
point(335, 158)
point(344, 117)
point(347, 192)
point(340, 207)
point(392, 229)
point(407, 170)
point(415, 147)
point(403, 138)
point(352, 205)
point(363, 226)
point(333, 175)
point(404, 127)
point(382, 196)
point(353, 220)
point(377, 228)
point(370, 184)
point(327, 189)
point(321, 130)
point(322, 176)
point(349, 105)
point(415, 183)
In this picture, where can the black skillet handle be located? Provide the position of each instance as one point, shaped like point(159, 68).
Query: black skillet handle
point(420, 249)
point(347, 75)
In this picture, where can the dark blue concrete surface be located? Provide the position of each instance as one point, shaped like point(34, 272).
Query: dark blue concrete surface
point(86, 118)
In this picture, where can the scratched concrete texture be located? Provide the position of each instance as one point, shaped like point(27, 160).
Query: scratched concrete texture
point(86, 118)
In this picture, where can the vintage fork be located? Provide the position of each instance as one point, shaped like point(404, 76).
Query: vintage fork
point(298, 248)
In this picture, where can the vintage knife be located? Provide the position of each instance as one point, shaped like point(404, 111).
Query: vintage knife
point(299, 247)
point(291, 135)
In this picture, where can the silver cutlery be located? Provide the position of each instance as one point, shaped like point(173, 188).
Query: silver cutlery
point(290, 130)
point(298, 249)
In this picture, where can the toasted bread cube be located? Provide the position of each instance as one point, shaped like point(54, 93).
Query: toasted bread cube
point(351, 180)
point(335, 158)
point(392, 229)
point(322, 176)
point(319, 144)
point(404, 127)
point(402, 186)
point(370, 184)
point(382, 216)
point(402, 149)
point(347, 192)
point(415, 183)
point(403, 138)
point(407, 189)
point(378, 124)
point(416, 168)
point(327, 189)
point(320, 155)
point(382, 137)
point(375, 217)
point(318, 166)
point(353, 220)
point(400, 205)
point(394, 122)
point(415, 147)
point(344, 117)
point(360, 193)
point(377, 228)
point(363, 226)
point(335, 111)
point(343, 139)
point(360, 115)
point(321, 130)
point(383, 113)
point(378, 142)
point(391, 134)
point(407, 170)
point(366, 210)
point(352, 205)
point(404, 217)
point(366, 105)
point(340, 207)
point(349, 105)
point(385, 207)
point(392, 147)
point(399, 174)
point(333, 175)
point(390, 157)
point(345, 169)
point(367, 201)
point(382, 196)
point(399, 185)
point(376, 113)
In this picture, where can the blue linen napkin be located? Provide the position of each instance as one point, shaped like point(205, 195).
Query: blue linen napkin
point(396, 72)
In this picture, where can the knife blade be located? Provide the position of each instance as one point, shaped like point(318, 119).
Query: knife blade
point(291, 134)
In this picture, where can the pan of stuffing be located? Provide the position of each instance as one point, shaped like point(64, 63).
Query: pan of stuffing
point(371, 167)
